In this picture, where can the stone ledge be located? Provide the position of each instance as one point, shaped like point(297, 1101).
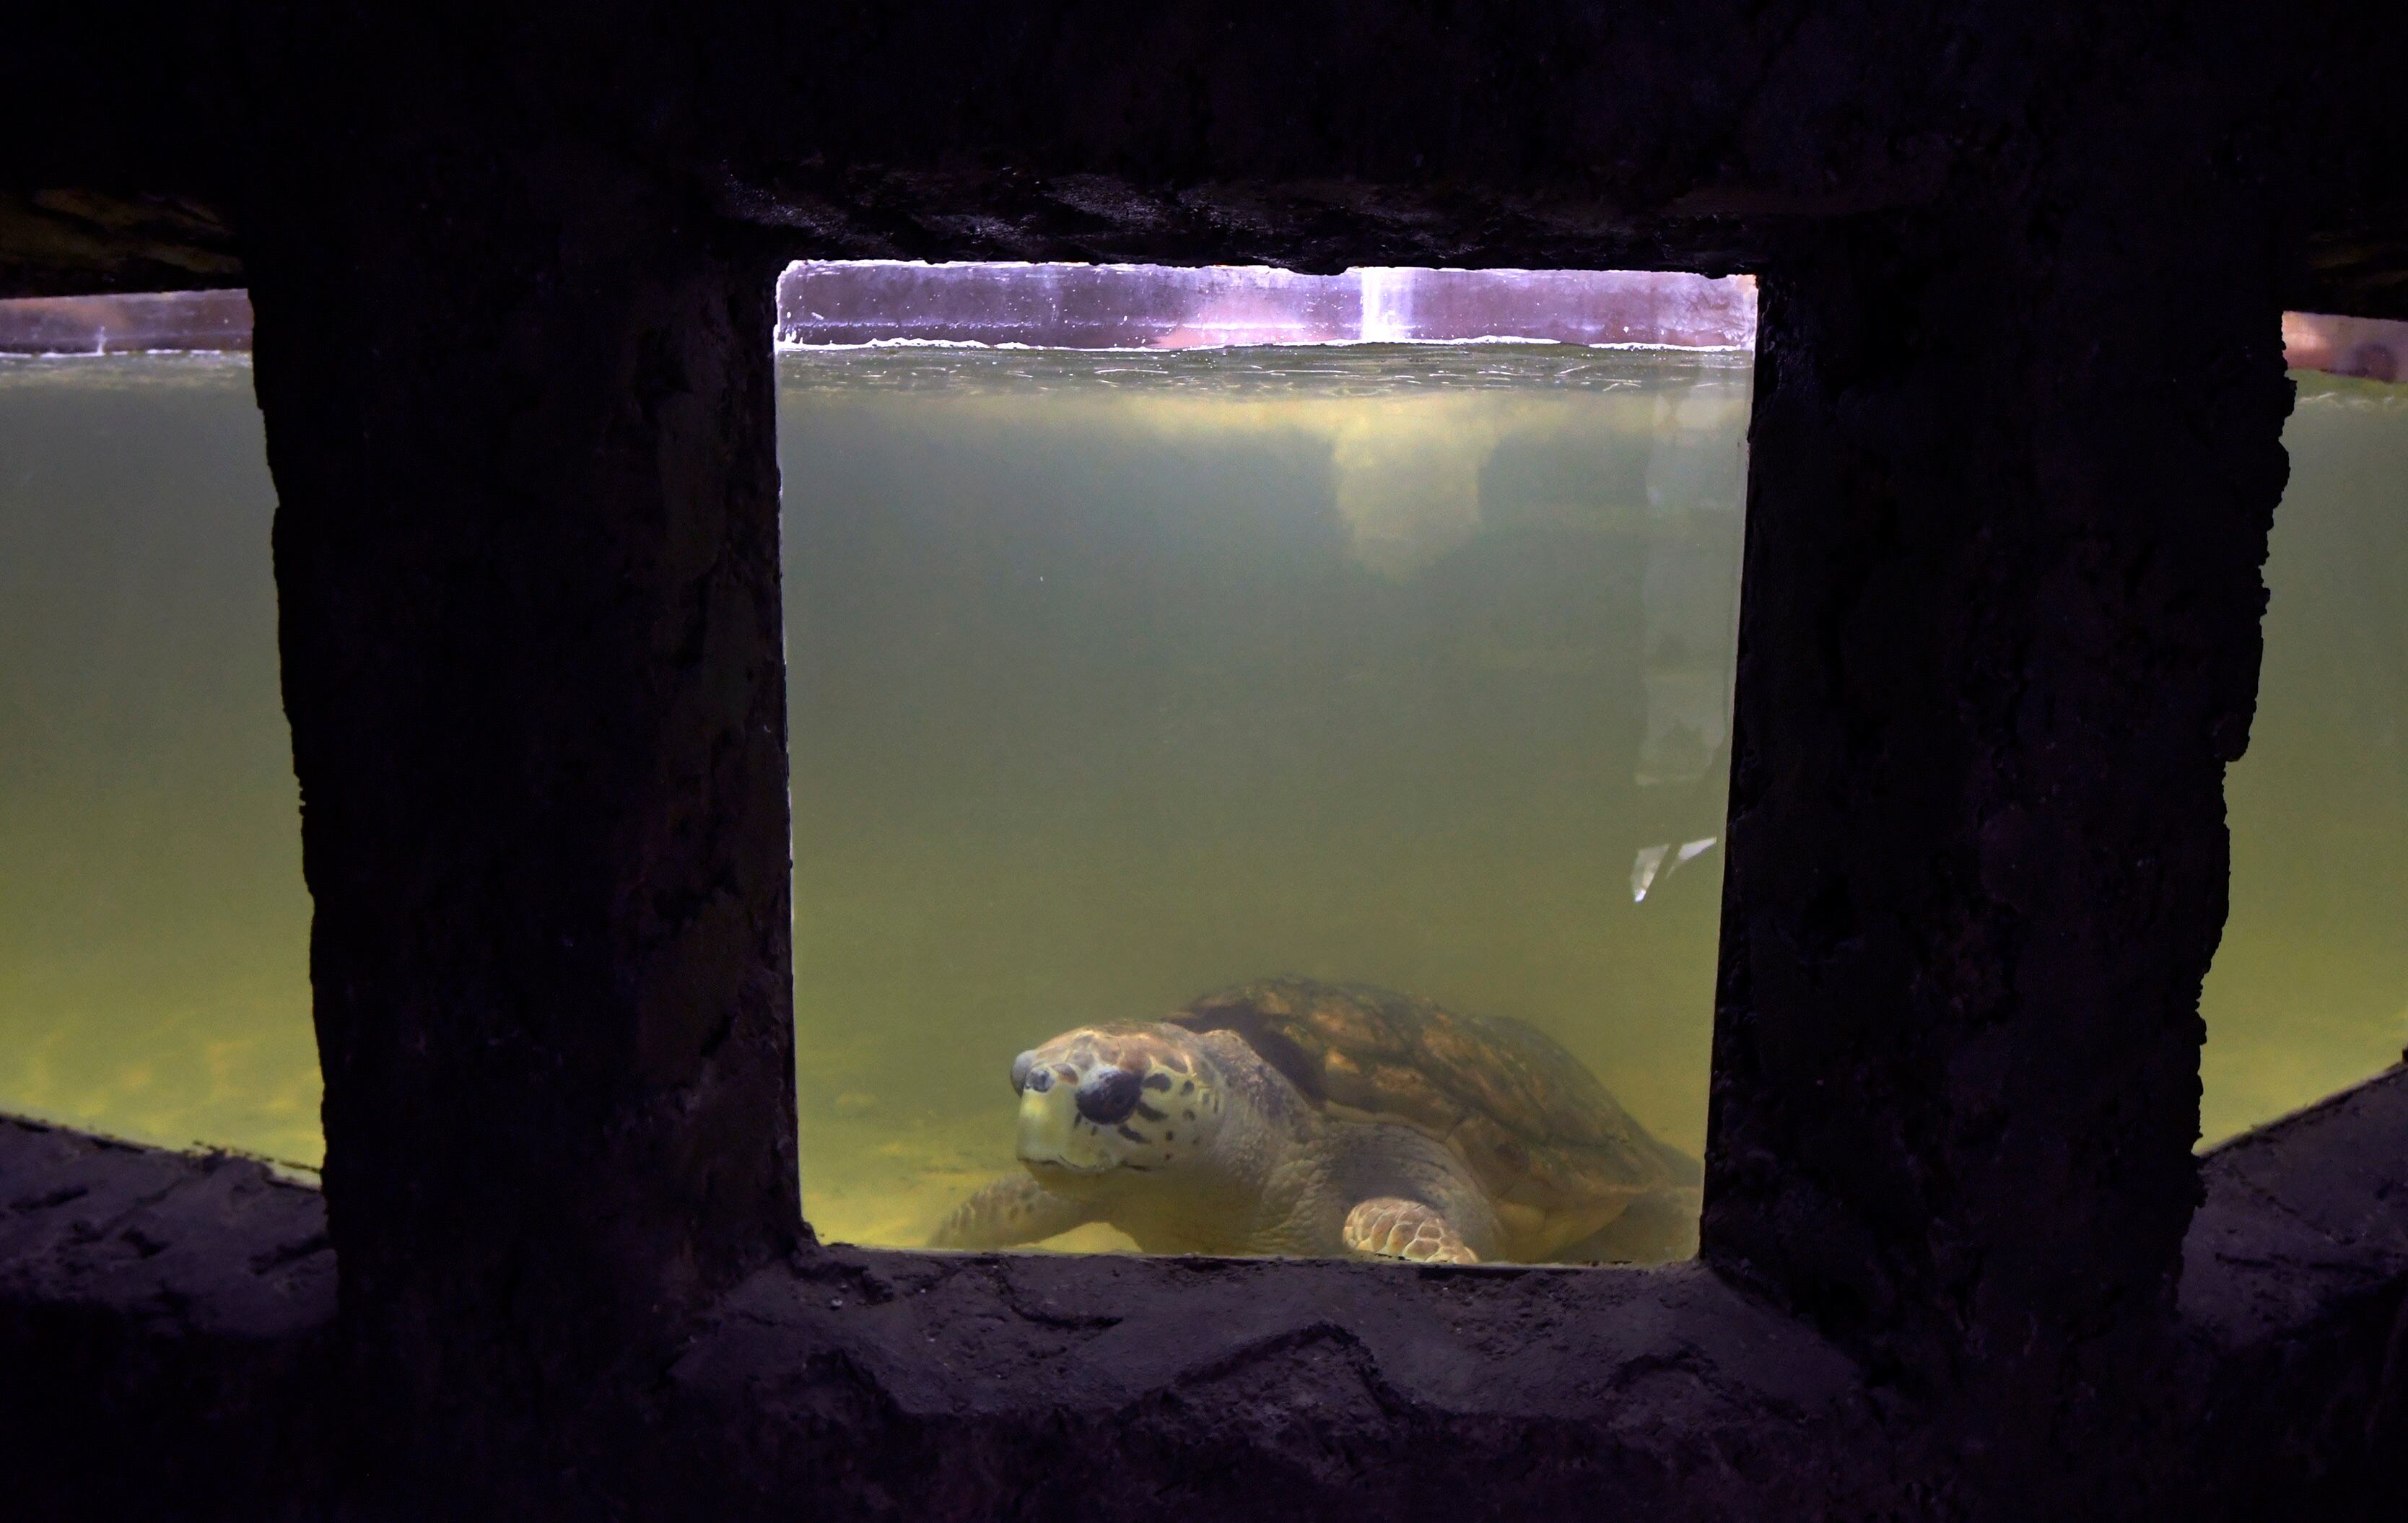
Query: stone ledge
point(2295, 1292)
point(189, 1298)
point(2302, 1215)
point(1273, 1390)
point(214, 1244)
point(165, 1323)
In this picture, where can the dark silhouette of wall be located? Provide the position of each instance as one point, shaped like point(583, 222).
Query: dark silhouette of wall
point(2015, 456)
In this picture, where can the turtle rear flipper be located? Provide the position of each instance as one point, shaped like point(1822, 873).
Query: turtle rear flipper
point(1387, 1227)
point(1009, 1211)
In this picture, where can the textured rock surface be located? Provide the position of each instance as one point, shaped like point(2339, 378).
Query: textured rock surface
point(168, 1328)
point(532, 658)
point(214, 1245)
point(1265, 1389)
point(2295, 1281)
point(1999, 641)
point(193, 1296)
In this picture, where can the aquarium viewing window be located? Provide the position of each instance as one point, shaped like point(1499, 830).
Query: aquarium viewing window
point(1335, 668)
point(1258, 747)
point(2309, 990)
point(154, 929)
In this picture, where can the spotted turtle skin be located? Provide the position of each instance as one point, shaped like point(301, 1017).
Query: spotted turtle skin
point(1557, 1155)
point(1295, 1118)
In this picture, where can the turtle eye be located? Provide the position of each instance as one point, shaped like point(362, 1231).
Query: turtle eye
point(1020, 1066)
point(1107, 1096)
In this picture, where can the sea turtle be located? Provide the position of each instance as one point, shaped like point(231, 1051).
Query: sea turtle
point(1288, 1116)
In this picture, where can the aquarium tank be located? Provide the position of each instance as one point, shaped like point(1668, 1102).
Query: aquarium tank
point(1314, 689)
point(1259, 650)
point(2309, 990)
point(154, 931)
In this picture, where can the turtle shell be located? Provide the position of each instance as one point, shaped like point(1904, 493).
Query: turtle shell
point(1555, 1151)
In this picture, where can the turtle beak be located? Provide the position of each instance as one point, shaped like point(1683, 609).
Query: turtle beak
point(1050, 1135)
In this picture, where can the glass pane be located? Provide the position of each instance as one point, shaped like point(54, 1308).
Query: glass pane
point(2310, 988)
point(1120, 679)
point(154, 926)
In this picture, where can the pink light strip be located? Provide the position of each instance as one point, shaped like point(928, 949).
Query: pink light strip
point(1160, 307)
point(1165, 307)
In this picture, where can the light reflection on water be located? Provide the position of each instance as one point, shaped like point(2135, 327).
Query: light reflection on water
point(1115, 678)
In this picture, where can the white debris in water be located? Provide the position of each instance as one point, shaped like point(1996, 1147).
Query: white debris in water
point(1642, 870)
point(1650, 867)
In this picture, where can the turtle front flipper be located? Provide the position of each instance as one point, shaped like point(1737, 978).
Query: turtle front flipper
point(1385, 1227)
point(1009, 1211)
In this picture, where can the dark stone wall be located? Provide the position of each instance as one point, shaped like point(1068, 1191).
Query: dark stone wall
point(526, 548)
point(1999, 642)
point(186, 1304)
point(2015, 450)
point(168, 1325)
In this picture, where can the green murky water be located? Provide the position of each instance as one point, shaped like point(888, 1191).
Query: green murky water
point(1116, 677)
point(1121, 678)
point(2310, 988)
point(154, 976)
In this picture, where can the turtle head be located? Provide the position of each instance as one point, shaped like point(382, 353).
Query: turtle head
point(1107, 1102)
